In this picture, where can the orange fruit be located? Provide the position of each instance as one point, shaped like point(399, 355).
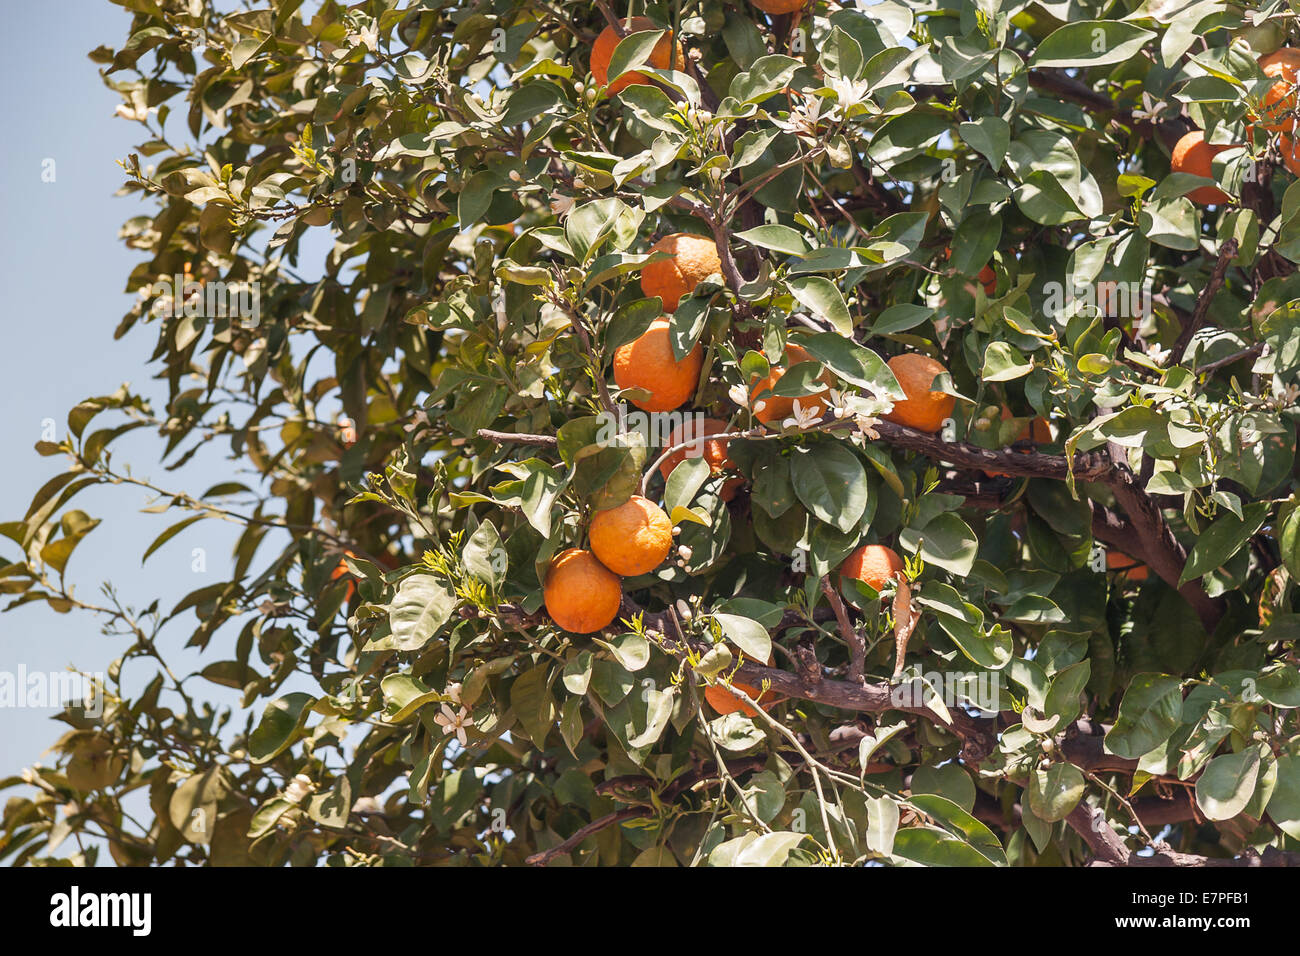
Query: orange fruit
point(872, 564)
point(1290, 154)
point(695, 258)
point(1037, 431)
point(648, 362)
point(780, 6)
point(581, 594)
point(1132, 569)
point(1192, 154)
point(725, 702)
point(666, 55)
point(722, 700)
point(1282, 66)
point(712, 450)
point(632, 538)
point(777, 408)
point(923, 409)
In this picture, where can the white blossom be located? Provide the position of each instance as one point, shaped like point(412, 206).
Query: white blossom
point(803, 417)
point(299, 788)
point(454, 722)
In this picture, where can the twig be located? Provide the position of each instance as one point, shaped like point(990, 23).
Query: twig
point(518, 438)
point(595, 826)
point(1232, 359)
point(857, 646)
point(1227, 252)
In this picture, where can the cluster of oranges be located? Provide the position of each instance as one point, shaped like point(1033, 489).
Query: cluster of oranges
point(583, 590)
point(1192, 154)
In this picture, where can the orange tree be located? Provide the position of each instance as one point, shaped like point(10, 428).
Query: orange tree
point(1083, 647)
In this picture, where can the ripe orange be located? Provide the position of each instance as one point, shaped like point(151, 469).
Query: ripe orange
point(780, 6)
point(712, 450)
point(872, 564)
point(725, 702)
point(648, 362)
point(1131, 568)
point(1290, 149)
point(923, 409)
point(667, 54)
point(1282, 66)
point(1192, 154)
point(582, 595)
point(777, 408)
point(722, 700)
point(632, 538)
point(695, 258)
point(1038, 431)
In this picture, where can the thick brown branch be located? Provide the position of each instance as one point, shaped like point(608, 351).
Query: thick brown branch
point(1109, 849)
point(1120, 533)
point(1145, 535)
point(1162, 552)
point(1087, 467)
point(978, 734)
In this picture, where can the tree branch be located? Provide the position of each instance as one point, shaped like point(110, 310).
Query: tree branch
point(857, 646)
point(1227, 252)
point(595, 826)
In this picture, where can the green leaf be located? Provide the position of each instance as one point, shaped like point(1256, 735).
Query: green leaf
point(821, 297)
point(632, 651)
point(1149, 713)
point(931, 846)
point(753, 849)
point(403, 696)
point(856, 365)
point(1284, 805)
point(684, 481)
point(1003, 362)
point(946, 541)
point(1289, 541)
point(777, 238)
point(1227, 783)
point(1090, 43)
point(831, 482)
point(900, 318)
point(422, 605)
point(958, 821)
point(1054, 792)
point(484, 556)
point(281, 720)
point(633, 51)
point(882, 824)
point(988, 135)
point(748, 635)
point(530, 699)
point(1222, 539)
point(1065, 690)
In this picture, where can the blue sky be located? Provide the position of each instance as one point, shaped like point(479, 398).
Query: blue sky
point(63, 272)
